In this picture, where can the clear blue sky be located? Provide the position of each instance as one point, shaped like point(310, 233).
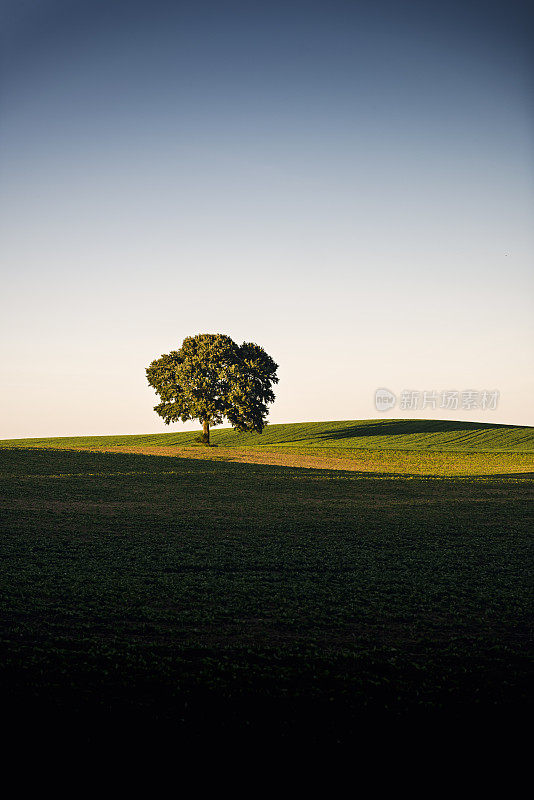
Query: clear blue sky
point(349, 184)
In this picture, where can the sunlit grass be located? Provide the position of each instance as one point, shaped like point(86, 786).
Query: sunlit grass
point(418, 447)
point(352, 434)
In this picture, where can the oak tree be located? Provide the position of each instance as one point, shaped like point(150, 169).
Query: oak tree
point(211, 378)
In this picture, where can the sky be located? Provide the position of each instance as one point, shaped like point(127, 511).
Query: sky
point(348, 184)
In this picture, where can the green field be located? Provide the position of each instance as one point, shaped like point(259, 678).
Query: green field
point(221, 598)
point(417, 434)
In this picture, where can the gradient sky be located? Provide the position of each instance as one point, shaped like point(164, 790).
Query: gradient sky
point(348, 184)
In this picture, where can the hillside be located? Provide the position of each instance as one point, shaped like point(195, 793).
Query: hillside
point(430, 435)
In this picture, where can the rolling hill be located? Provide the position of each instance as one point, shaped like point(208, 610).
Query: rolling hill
point(373, 434)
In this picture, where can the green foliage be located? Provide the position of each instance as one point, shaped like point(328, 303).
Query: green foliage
point(211, 378)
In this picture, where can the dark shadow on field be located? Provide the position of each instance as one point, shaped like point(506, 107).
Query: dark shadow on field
point(402, 427)
point(243, 608)
point(43, 462)
point(40, 461)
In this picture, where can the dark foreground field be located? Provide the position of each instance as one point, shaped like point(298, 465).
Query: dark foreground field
point(213, 599)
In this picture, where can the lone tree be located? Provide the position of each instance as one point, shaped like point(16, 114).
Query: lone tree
point(211, 377)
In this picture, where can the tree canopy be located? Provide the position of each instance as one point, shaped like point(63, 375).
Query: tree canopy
point(211, 378)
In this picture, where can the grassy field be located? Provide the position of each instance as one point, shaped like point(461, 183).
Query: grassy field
point(217, 596)
point(417, 447)
point(371, 434)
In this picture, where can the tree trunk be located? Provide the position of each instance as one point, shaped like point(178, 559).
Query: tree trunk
point(206, 432)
